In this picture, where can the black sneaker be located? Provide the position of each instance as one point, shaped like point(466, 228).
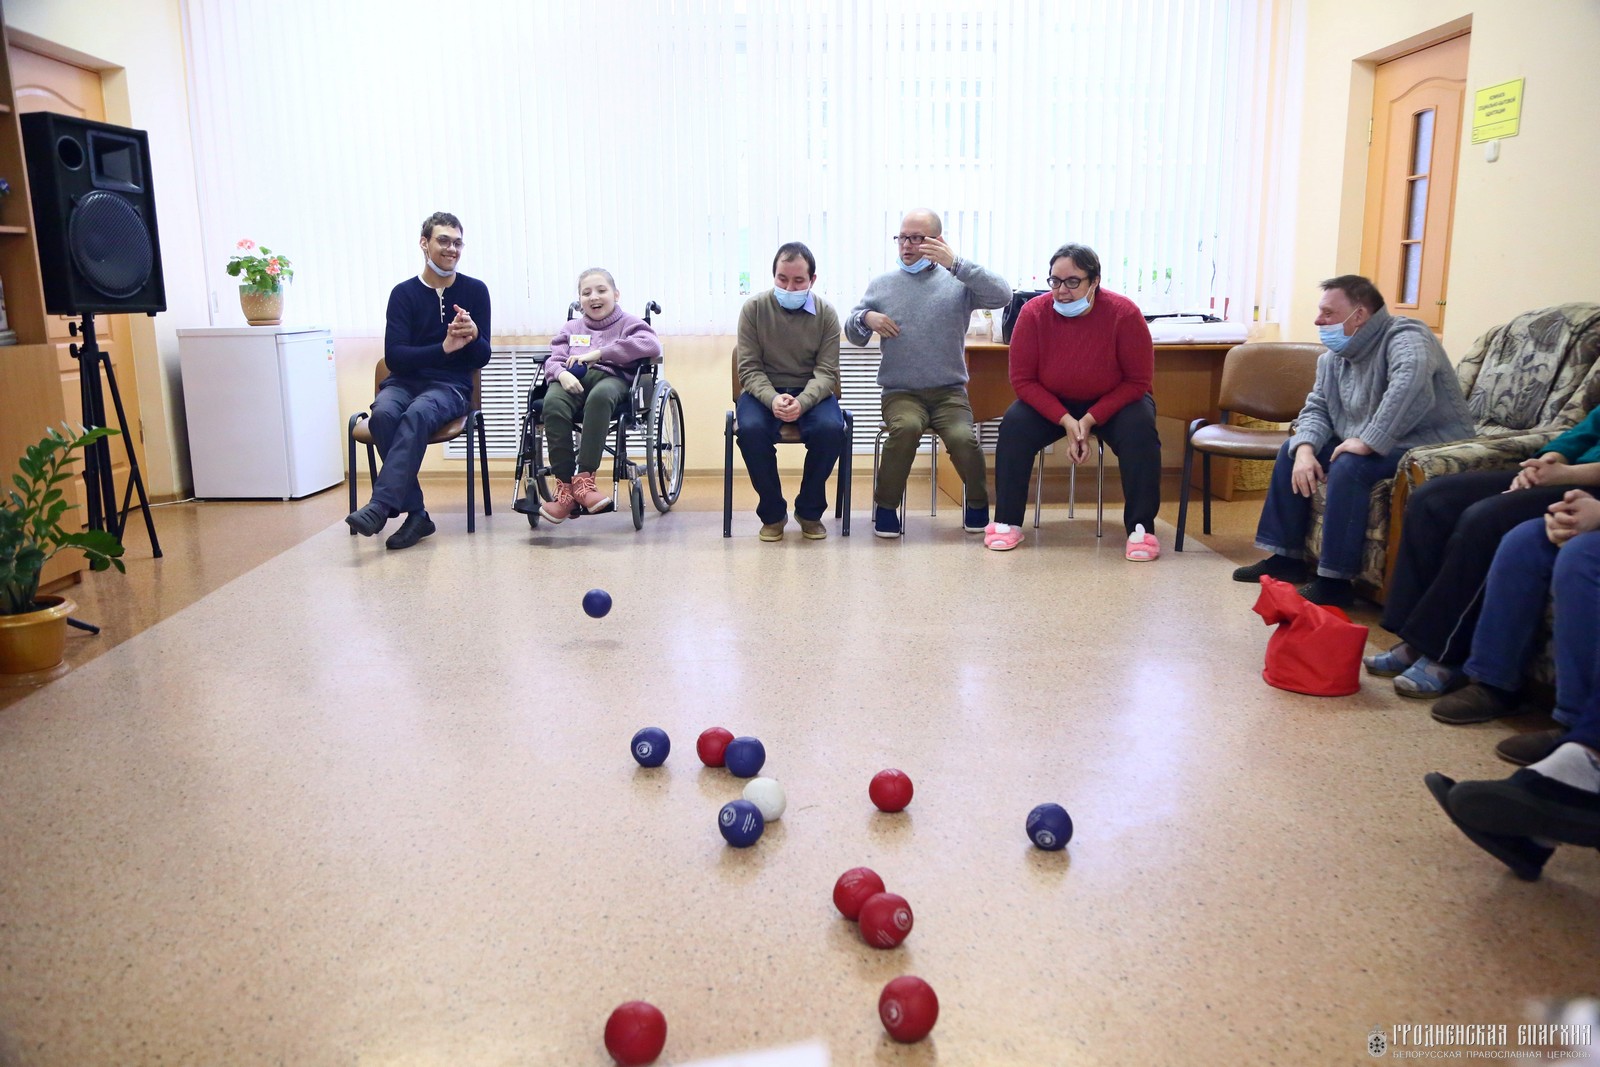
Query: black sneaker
point(1329, 592)
point(1524, 856)
point(1475, 703)
point(1274, 566)
point(415, 528)
point(368, 521)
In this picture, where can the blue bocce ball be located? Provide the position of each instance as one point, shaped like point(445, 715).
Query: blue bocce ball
point(650, 746)
point(597, 603)
point(1050, 827)
point(741, 823)
point(744, 756)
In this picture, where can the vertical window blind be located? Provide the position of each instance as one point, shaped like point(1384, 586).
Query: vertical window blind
point(678, 142)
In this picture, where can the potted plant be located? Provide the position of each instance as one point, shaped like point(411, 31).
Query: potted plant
point(33, 628)
point(262, 272)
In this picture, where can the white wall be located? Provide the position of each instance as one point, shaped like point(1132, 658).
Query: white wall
point(142, 40)
point(1527, 230)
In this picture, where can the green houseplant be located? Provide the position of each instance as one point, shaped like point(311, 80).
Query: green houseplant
point(32, 626)
point(261, 273)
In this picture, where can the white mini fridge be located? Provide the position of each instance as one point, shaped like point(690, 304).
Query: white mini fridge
point(262, 404)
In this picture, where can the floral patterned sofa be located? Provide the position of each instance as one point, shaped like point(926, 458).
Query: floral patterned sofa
point(1526, 383)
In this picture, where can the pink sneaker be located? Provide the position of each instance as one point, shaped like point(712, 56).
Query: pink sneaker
point(1000, 537)
point(561, 508)
point(1142, 547)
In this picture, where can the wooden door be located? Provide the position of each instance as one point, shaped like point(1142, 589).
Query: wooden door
point(1417, 102)
point(41, 83)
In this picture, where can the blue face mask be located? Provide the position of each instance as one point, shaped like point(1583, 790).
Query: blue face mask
point(791, 299)
point(1072, 310)
point(918, 267)
point(1333, 337)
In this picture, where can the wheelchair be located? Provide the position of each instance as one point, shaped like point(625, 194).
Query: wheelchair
point(650, 411)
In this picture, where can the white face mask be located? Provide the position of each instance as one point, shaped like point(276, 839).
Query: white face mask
point(440, 271)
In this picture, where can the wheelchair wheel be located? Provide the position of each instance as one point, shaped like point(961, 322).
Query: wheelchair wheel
point(636, 499)
point(664, 448)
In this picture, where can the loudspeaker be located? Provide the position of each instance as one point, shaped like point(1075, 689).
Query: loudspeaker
point(94, 213)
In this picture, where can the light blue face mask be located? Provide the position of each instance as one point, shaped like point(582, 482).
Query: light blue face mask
point(440, 271)
point(1072, 310)
point(791, 299)
point(1333, 337)
point(918, 267)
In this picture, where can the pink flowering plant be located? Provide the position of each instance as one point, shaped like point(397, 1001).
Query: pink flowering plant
point(259, 267)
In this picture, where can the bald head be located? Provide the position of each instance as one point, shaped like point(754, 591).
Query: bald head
point(922, 220)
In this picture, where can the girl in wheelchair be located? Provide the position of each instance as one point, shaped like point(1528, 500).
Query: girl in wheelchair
point(590, 367)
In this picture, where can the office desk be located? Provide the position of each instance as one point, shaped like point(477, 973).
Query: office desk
point(1187, 385)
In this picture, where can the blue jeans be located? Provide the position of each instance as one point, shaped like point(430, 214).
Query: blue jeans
point(1286, 516)
point(822, 432)
point(1526, 570)
point(405, 413)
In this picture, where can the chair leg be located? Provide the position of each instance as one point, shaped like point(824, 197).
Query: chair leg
point(1072, 491)
point(1205, 493)
point(350, 465)
point(1183, 492)
point(848, 473)
point(728, 430)
point(1100, 490)
point(933, 473)
point(483, 465)
point(1038, 490)
point(472, 505)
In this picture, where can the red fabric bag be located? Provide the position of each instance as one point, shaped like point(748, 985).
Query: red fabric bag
point(1315, 650)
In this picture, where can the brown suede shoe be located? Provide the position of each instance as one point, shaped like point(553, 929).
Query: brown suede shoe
point(812, 529)
point(1475, 703)
point(1523, 749)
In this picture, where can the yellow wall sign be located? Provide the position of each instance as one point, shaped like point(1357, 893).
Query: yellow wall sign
point(1497, 111)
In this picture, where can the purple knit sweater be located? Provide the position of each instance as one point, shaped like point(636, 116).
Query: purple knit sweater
point(626, 341)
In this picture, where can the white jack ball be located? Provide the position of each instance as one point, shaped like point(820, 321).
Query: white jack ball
point(767, 795)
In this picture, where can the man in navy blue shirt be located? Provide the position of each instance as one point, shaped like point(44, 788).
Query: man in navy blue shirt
point(436, 336)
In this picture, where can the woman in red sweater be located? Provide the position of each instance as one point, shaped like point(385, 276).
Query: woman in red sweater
point(1081, 363)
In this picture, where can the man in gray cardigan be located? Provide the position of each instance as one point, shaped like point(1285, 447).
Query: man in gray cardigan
point(921, 312)
point(1384, 386)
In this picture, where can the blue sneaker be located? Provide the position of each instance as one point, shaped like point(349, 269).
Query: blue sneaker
point(975, 520)
point(885, 522)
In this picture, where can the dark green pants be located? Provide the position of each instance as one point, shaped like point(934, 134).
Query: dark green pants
point(601, 394)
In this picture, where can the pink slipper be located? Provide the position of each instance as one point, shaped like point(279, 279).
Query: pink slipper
point(1142, 547)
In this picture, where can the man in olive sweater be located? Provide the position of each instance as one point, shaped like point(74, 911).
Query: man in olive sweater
point(788, 361)
point(921, 312)
point(436, 335)
point(1384, 386)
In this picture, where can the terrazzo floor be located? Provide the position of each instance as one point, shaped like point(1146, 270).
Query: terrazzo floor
point(365, 807)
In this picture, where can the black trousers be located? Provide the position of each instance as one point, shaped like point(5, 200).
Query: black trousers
point(1130, 434)
point(1453, 526)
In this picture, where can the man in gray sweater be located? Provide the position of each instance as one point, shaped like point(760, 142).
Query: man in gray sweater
point(921, 312)
point(1384, 386)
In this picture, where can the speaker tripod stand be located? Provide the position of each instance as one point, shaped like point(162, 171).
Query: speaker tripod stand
point(100, 487)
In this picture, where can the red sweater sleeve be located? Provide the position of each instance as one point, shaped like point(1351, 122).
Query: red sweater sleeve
point(1136, 358)
point(1023, 364)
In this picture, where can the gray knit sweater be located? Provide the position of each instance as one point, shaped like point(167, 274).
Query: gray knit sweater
point(1392, 386)
point(932, 309)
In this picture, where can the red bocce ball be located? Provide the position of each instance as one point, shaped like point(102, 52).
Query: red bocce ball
point(885, 920)
point(908, 1008)
point(712, 744)
point(852, 890)
point(890, 790)
point(636, 1033)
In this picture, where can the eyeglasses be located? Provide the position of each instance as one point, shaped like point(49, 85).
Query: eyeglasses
point(912, 239)
point(1065, 283)
point(444, 242)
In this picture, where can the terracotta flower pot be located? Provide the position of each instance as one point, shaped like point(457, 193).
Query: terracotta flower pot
point(262, 307)
point(37, 640)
